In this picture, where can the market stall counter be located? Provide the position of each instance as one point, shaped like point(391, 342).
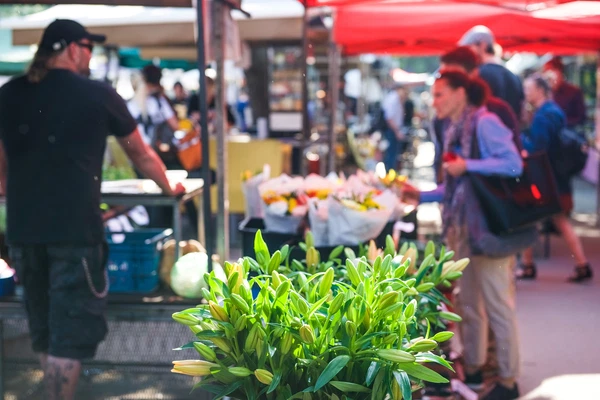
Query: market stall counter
point(133, 192)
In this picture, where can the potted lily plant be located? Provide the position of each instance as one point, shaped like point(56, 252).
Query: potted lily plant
point(319, 330)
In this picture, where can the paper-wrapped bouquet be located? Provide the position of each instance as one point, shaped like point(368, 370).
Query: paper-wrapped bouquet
point(283, 204)
point(250, 184)
point(353, 213)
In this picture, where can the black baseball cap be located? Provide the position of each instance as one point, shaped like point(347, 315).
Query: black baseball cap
point(62, 32)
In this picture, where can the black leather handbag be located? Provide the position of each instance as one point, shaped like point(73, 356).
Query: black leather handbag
point(511, 204)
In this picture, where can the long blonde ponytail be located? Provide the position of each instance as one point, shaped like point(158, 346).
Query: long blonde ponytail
point(39, 66)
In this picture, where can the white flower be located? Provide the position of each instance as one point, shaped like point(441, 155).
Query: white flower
point(278, 207)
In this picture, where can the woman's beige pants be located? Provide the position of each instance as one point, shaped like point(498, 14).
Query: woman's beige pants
point(487, 295)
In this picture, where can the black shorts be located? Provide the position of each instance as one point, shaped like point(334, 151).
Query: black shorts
point(65, 297)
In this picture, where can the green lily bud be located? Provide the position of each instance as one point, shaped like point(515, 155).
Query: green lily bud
point(336, 304)
point(443, 336)
point(302, 306)
point(388, 299)
point(218, 312)
point(221, 344)
point(402, 329)
point(245, 293)
point(239, 371)
point(423, 345)
point(286, 343)
point(252, 339)
point(309, 239)
point(307, 334)
point(263, 376)
point(352, 273)
point(240, 303)
point(410, 309)
point(350, 329)
point(326, 282)
point(193, 367)
point(312, 257)
point(454, 275)
point(186, 319)
point(425, 287)
point(395, 355)
point(275, 280)
point(205, 351)
point(283, 289)
point(389, 340)
point(450, 316)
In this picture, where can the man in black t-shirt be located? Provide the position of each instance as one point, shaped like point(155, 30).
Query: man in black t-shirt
point(503, 83)
point(53, 128)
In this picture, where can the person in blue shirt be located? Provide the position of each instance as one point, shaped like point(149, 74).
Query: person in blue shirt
point(486, 288)
point(546, 126)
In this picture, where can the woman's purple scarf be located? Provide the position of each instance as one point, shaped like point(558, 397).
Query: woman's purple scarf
point(458, 135)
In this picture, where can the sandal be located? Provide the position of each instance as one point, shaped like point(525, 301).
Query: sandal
point(582, 273)
point(527, 272)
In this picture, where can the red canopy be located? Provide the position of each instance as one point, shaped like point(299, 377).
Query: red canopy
point(432, 28)
point(519, 3)
point(579, 11)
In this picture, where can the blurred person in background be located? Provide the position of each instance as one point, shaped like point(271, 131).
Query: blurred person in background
point(409, 111)
point(179, 101)
point(153, 113)
point(393, 115)
point(194, 106)
point(503, 83)
point(243, 104)
point(465, 59)
point(157, 122)
point(544, 134)
point(568, 96)
point(180, 96)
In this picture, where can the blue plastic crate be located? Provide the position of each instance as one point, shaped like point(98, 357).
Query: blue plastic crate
point(133, 263)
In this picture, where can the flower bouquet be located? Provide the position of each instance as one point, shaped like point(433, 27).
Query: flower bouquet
point(284, 204)
point(355, 218)
point(250, 184)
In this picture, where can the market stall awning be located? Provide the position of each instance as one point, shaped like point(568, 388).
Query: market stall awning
point(131, 26)
point(522, 4)
point(135, 26)
point(578, 11)
point(424, 28)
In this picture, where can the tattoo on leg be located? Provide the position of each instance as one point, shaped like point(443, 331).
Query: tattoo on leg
point(56, 380)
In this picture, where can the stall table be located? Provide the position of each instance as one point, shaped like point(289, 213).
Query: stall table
point(133, 192)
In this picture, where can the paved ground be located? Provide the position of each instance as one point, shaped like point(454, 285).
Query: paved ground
point(558, 321)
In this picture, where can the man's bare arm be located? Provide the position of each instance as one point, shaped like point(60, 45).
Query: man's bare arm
point(3, 168)
point(146, 160)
